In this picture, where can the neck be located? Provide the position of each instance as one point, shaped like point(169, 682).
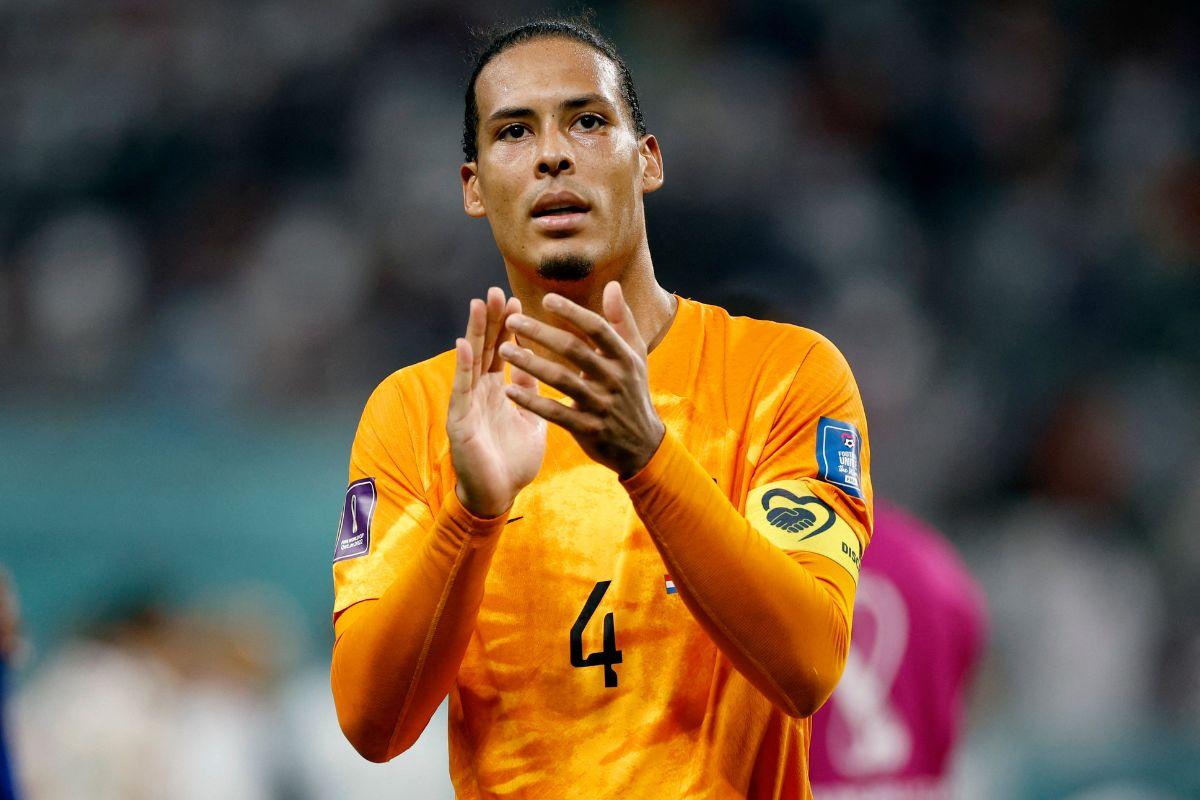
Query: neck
point(653, 307)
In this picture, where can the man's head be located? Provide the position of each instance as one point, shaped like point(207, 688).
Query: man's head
point(557, 156)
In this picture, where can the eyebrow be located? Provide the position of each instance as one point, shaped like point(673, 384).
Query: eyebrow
point(584, 100)
point(570, 104)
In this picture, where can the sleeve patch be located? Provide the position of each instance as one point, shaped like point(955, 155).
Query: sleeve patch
point(354, 532)
point(794, 519)
point(838, 462)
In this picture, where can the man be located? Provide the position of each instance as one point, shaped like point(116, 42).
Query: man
point(894, 723)
point(620, 528)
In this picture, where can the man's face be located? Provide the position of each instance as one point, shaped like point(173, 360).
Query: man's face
point(560, 172)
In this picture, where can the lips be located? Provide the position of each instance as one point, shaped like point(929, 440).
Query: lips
point(549, 212)
point(559, 204)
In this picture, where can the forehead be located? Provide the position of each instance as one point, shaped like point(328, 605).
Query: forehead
point(542, 72)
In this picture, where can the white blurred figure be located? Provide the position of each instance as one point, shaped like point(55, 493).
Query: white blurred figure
point(151, 707)
point(86, 281)
point(93, 723)
point(1079, 616)
point(322, 763)
point(304, 281)
point(220, 744)
point(1079, 607)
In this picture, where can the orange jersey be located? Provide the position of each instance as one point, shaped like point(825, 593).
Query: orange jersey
point(585, 673)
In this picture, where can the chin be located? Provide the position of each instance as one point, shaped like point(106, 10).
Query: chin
point(566, 267)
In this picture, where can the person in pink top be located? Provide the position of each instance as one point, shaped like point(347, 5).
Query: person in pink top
point(892, 725)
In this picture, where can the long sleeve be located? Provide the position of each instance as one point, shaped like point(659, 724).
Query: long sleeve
point(395, 657)
point(782, 620)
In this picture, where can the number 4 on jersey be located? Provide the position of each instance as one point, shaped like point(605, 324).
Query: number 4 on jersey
point(609, 655)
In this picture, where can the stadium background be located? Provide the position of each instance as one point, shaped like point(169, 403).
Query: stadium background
point(222, 223)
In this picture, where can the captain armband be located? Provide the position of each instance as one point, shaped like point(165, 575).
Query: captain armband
point(795, 519)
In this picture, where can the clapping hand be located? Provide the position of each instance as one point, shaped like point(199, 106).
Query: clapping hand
point(611, 414)
point(496, 447)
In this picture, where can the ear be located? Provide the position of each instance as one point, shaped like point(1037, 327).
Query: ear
point(472, 199)
point(652, 164)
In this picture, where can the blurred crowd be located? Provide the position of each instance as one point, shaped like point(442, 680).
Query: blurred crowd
point(149, 702)
point(993, 209)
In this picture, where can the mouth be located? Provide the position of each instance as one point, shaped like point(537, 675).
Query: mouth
point(559, 212)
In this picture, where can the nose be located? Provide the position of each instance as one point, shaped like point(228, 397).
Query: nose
point(555, 156)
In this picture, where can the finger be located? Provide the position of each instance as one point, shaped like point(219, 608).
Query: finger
point(595, 326)
point(549, 372)
point(513, 306)
point(460, 389)
point(565, 344)
point(523, 379)
point(495, 320)
point(620, 316)
point(574, 421)
point(476, 330)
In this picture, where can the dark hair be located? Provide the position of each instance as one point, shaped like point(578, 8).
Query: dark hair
point(494, 43)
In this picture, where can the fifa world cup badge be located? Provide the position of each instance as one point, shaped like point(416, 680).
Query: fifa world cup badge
point(354, 532)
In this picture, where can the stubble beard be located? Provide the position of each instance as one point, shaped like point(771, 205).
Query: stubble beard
point(567, 267)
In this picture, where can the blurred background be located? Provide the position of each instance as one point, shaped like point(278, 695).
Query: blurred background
point(222, 223)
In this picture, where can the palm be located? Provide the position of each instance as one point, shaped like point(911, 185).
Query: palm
point(496, 446)
point(499, 444)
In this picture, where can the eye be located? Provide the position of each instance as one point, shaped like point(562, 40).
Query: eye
point(511, 132)
point(590, 122)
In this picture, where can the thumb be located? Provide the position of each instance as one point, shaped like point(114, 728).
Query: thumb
point(619, 315)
